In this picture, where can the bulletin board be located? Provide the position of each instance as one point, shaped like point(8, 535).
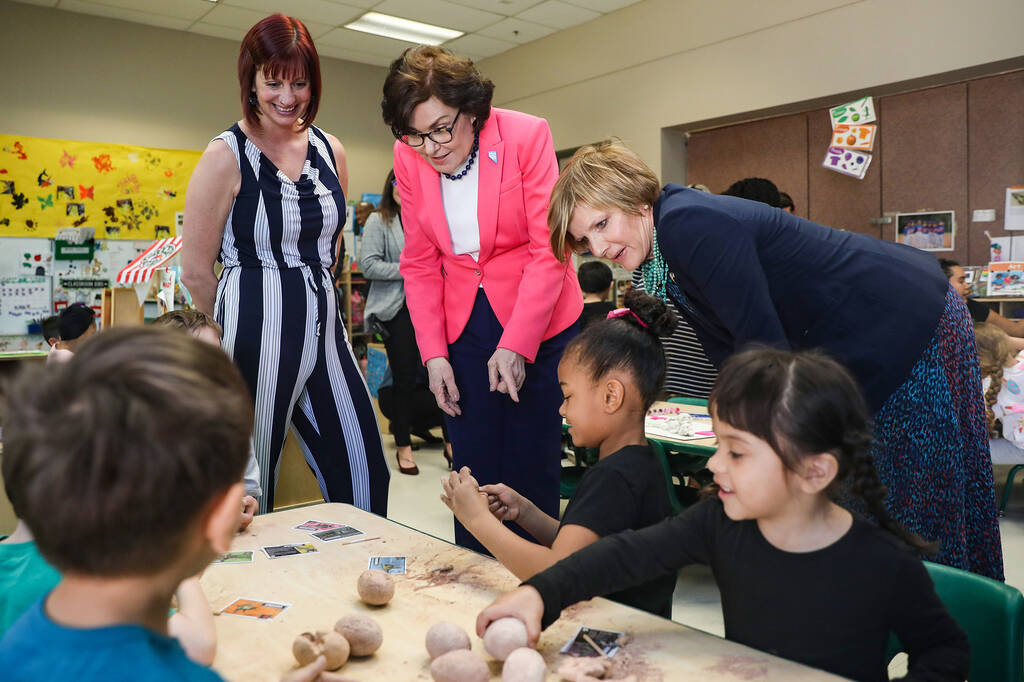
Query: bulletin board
point(124, 192)
point(23, 300)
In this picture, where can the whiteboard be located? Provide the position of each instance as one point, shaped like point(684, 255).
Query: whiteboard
point(23, 300)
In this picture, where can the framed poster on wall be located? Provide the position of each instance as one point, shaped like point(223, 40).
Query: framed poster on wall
point(932, 231)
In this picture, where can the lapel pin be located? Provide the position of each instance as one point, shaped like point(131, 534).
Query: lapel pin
point(493, 156)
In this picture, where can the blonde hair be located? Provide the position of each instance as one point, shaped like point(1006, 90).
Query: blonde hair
point(994, 352)
point(606, 175)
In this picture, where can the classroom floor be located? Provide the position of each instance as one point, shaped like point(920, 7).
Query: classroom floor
point(415, 501)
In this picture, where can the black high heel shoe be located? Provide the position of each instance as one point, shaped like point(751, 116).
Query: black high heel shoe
point(447, 456)
point(410, 471)
point(427, 437)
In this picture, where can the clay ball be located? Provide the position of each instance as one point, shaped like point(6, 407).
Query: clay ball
point(309, 645)
point(524, 665)
point(504, 636)
point(362, 632)
point(459, 665)
point(443, 637)
point(375, 587)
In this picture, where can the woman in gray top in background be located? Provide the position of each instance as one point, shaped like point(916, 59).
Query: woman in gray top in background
point(382, 243)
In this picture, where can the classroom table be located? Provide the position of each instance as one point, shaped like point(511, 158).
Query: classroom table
point(443, 582)
point(697, 445)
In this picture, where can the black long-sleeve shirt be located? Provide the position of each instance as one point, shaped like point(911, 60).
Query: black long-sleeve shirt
point(832, 608)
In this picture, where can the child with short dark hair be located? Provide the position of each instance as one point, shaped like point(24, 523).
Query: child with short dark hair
point(799, 576)
point(144, 434)
point(596, 282)
point(610, 375)
point(51, 329)
point(75, 325)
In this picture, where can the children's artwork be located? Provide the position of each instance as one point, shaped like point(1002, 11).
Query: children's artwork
point(858, 112)
point(235, 558)
point(254, 608)
point(129, 192)
point(847, 161)
point(861, 138)
point(317, 525)
point(337, 533)
point(388, 564)
point(593, 642)
point(1005, 278)
point(278, 551)
point(23, 301)
point(1013, 215)
point(927, 231)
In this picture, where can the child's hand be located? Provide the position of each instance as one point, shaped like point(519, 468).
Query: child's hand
point(462, 495)
point(506, 504)
point(523, 603)
point(249, 508)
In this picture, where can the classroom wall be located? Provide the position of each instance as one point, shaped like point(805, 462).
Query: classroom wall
point(663, 63)
point(82, 77)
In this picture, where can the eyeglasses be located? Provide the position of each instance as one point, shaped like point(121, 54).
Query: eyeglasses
point(441, 135)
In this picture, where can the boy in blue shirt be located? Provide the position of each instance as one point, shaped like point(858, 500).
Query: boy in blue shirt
point(128, 464)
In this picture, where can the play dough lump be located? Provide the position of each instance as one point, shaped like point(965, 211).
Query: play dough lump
point(362, 632)
point(375, 587)
point(443, 637)
point(524, 665)
point(309, 645)
point(459, 665)
point(503, 636)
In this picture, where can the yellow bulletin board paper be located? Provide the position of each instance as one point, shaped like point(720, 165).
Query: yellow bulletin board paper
point(123, 191)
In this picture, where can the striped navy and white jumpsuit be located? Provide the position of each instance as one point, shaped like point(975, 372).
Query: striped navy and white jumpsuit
point(276, 303)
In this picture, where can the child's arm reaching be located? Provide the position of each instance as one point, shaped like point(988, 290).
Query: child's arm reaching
point(192, 624)
point(463, 496)
point(508, 505)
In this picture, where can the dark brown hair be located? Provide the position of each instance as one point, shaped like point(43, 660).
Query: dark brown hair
point(191, 321)
point(806, 403)
point(389, 208)
point(427, 71)
point(113, 456)
point(283, 48)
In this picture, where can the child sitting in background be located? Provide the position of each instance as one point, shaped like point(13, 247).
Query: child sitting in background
point(143, 436)
point(799, 576)
point(75, 325)
point(51, 329)
point(203, 327)
point(596, 282)
point(1002, 372)
point(610, 375)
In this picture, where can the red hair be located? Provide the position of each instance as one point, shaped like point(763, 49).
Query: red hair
point(283, 48)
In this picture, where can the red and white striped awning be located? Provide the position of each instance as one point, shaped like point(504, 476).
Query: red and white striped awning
point(142, 268)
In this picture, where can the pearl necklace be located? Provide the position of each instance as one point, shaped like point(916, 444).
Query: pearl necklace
point(469, 164)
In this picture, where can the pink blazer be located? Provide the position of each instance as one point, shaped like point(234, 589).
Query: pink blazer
point(532, 294)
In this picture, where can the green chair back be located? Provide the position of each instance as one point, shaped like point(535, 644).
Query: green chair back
point(683, 400)
point(659, 452)
point(992, 615)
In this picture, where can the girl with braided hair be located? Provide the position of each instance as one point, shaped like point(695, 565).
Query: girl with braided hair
point(1002, 380)
point(799, 575)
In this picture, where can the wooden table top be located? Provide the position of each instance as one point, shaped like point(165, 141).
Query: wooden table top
point(443, 582)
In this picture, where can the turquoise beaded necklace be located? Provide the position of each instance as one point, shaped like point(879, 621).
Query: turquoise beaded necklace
point(655, 271)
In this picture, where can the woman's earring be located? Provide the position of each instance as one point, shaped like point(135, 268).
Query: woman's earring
point(252, 99)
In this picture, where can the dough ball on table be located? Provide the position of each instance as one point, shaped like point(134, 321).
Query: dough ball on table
point(375, 587)
point(443, 637)
point(524, 665)
point(459, 665)
point(309, 645)
point(362, 632)
point(504, 636)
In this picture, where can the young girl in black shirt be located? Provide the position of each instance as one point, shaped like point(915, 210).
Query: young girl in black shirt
point(799, 576)
point(610, 375)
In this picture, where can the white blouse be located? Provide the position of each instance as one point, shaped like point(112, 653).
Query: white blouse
point(460, 201)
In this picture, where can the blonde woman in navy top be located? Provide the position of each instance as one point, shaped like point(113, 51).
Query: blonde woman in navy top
point(267, 200)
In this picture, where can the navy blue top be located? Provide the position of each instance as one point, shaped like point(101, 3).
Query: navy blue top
point(746, 273)
point(36, 649)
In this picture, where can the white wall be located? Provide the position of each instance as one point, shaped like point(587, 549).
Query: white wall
point(81, 77)
point(662, 63)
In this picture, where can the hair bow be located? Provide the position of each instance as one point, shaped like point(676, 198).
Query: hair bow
point(623, 312)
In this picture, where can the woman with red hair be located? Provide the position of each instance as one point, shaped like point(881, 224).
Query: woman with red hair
point(267, 200)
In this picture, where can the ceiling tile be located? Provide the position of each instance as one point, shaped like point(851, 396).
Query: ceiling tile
point(557, 14)
point(507, 7)
point(439, 13)
point(182, 9)
point(515, 31)
point(604, 6)
point(316, 11)
point(364, 4)
point(347, 39)
point(477, 46)
point(238, 17)
point(235, 34)
point(125, 14)
point(41, 3)
point(353, 55)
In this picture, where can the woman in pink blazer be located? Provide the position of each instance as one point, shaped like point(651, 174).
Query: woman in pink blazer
point(492, 307)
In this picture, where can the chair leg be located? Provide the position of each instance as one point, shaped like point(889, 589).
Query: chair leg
point(1008, 488)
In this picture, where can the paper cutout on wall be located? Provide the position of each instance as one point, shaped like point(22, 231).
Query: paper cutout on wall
point(847, 161)
point(857, 112)
point(861, 138)
point(123, 191)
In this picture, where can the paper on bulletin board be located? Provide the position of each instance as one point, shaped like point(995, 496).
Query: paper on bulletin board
point(847, 161)
point(125, 192)
point(1005, 278)
point(857, 112)
point(861, 138)
point(23, 300)
point(1014, 213)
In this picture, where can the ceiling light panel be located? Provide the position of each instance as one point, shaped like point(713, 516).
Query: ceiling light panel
point(440, 13)
point(400, 28)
